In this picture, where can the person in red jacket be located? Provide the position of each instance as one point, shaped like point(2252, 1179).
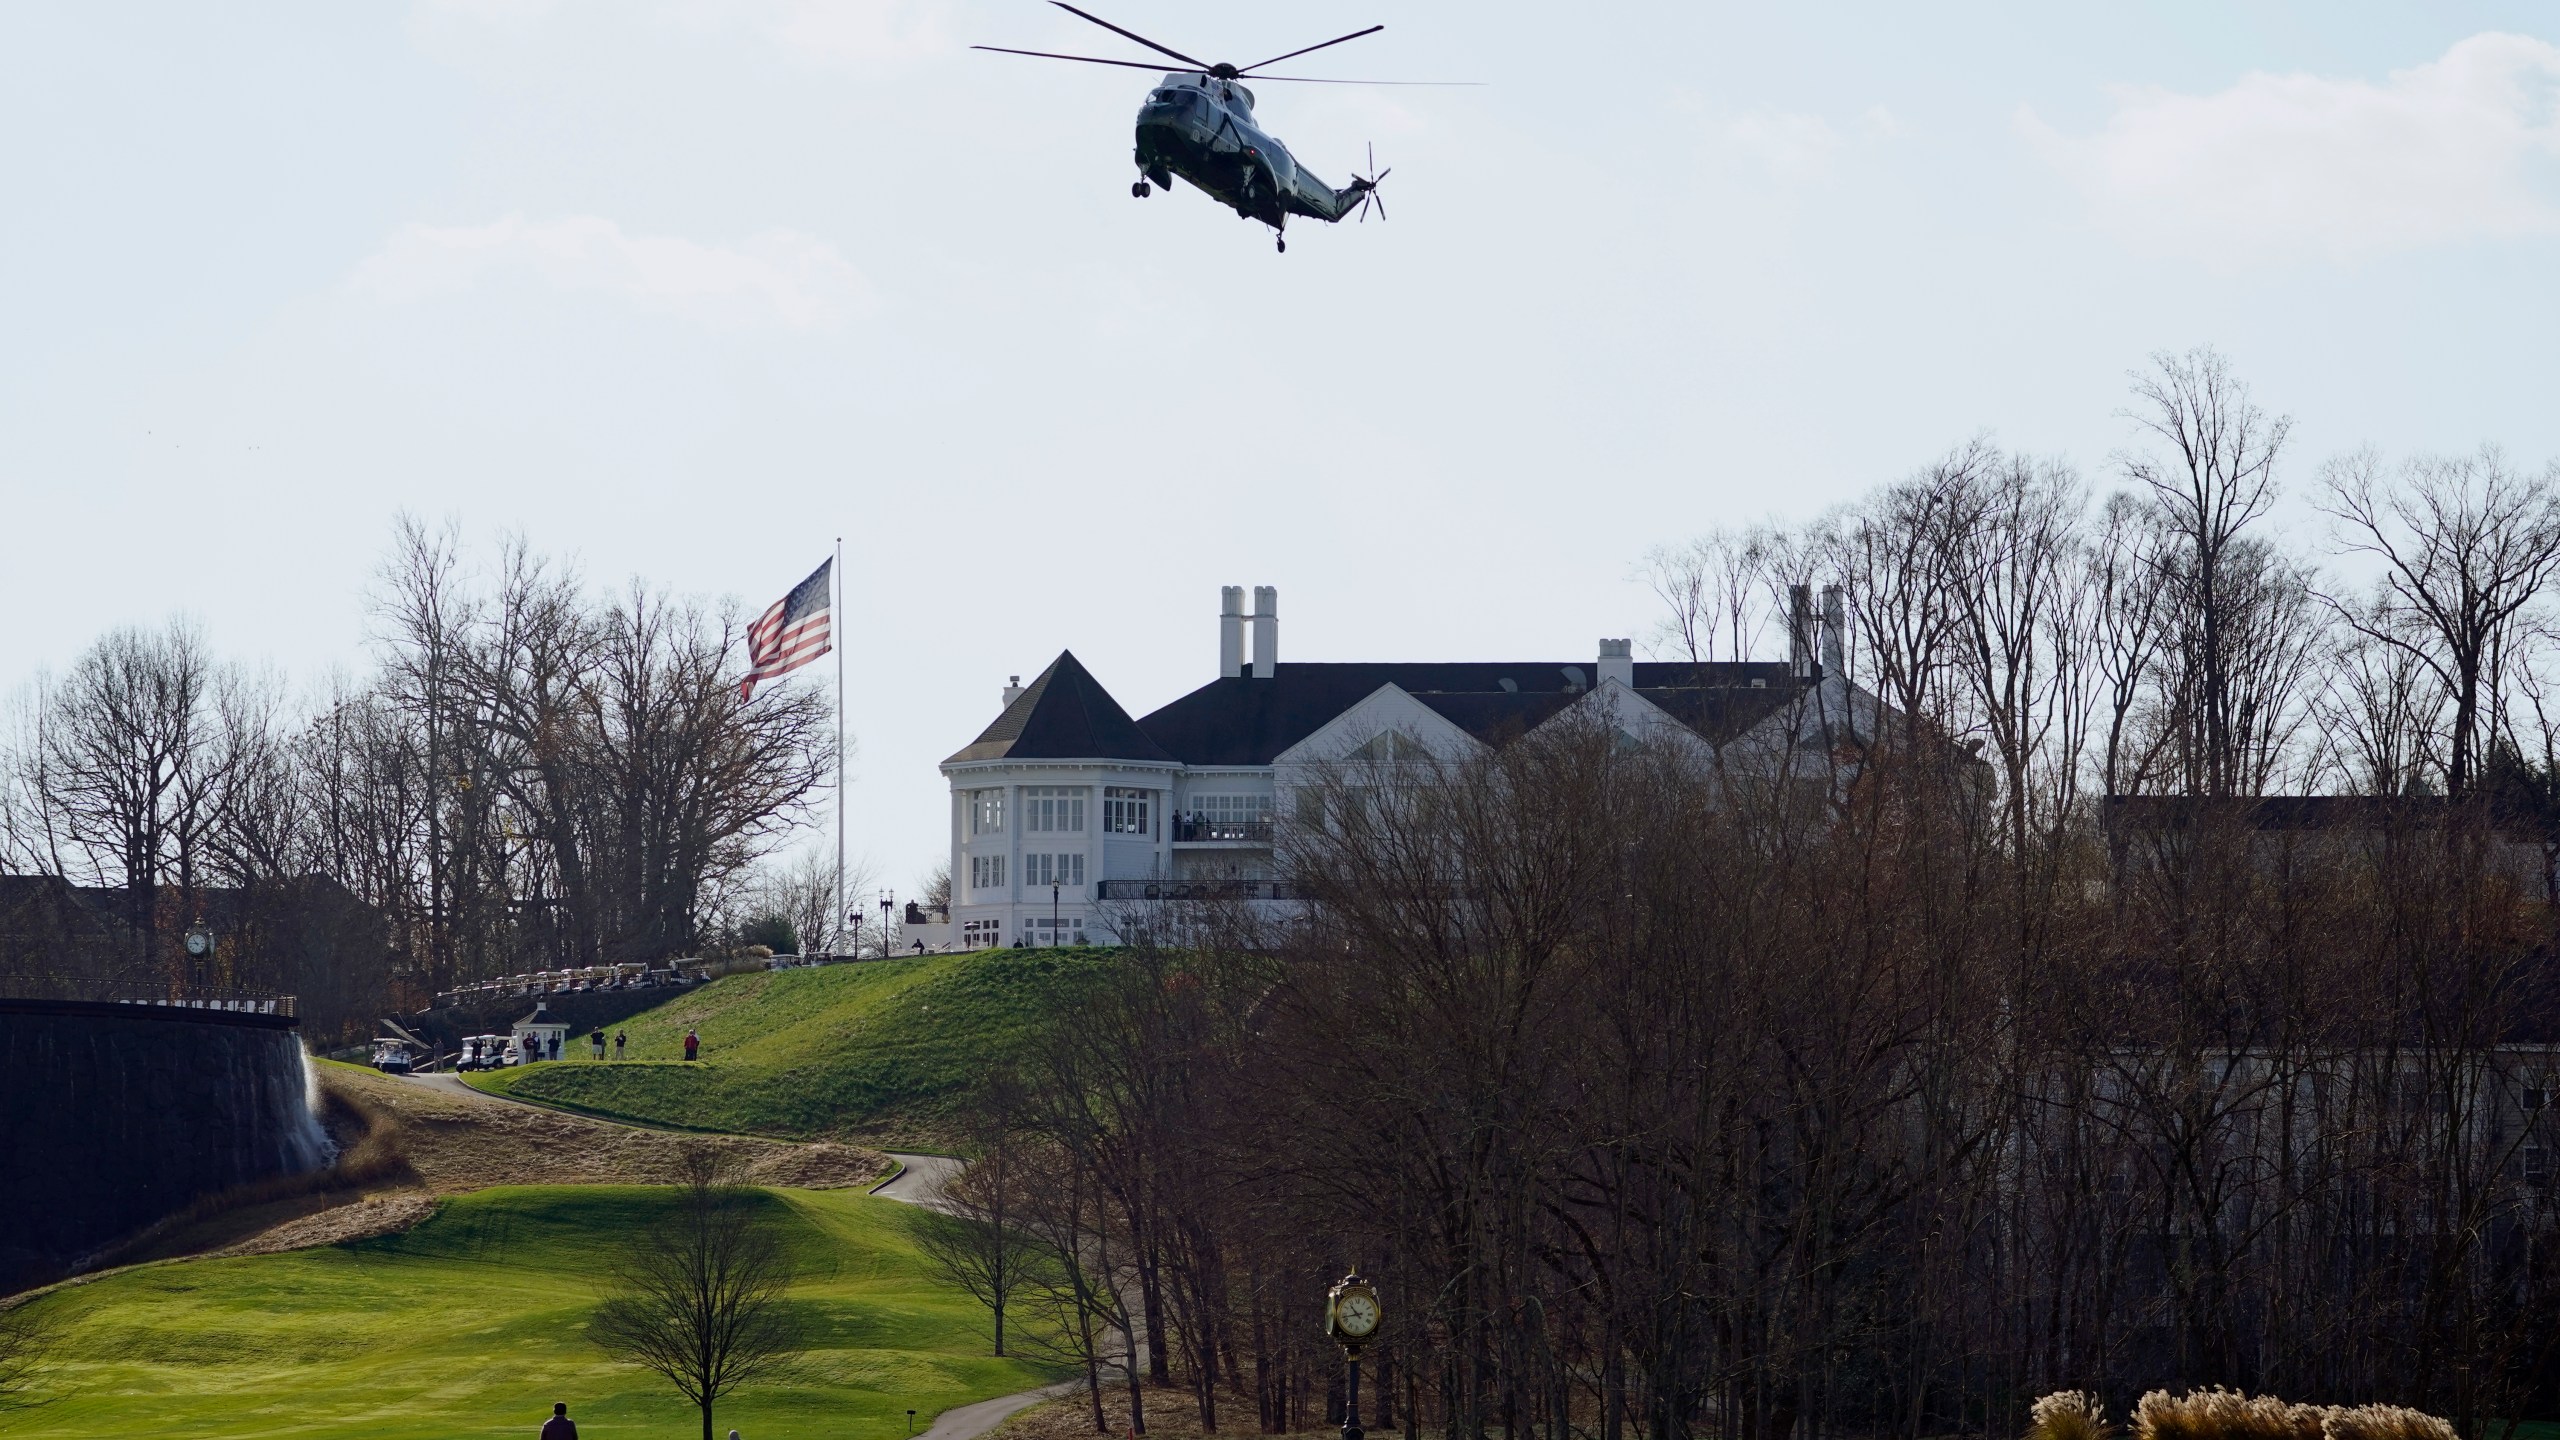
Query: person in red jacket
point(692, 1044)
point(560, 1426)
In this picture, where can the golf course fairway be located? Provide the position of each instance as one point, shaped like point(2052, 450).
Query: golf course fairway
point(473, 1323)
point(879, 1050)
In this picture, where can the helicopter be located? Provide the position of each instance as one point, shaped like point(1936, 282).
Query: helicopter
point(1199, 124)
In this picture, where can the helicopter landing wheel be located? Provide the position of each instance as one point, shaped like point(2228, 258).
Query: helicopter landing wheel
point(1141, 189)
point(1280, 244)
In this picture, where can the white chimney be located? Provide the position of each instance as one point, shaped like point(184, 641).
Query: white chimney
point(1230, 631)
point(1835, 628)
point(1266, 630)
point(1012, 690)
point(1618, 662)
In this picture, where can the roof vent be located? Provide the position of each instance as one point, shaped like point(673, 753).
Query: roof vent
point(1759, 682)
point(1575, 682)
point(1509, 685)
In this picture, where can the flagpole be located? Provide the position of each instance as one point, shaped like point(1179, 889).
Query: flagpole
point(836, 626)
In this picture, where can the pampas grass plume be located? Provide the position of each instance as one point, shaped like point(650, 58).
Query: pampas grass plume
point(2071, 1415)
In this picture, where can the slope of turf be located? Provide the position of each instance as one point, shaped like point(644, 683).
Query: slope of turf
point(473, 1323)
point(881, 1049)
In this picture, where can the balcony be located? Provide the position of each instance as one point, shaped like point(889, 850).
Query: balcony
point(1196, 890)
point(1203, 830)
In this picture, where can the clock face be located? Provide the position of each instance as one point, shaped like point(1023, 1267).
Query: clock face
point(1357, 1314)
point(198, 942)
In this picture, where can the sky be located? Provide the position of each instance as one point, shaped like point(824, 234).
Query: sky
point(688, 290)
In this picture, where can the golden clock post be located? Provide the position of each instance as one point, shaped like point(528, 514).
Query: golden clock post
point(1351, 1316)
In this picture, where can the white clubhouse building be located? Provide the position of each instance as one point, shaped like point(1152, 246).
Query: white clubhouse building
point(1066, 804)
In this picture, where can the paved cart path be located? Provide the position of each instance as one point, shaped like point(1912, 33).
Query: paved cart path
point(920, 1181)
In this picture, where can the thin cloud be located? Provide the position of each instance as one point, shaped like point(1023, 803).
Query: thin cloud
point(821, 32)
point(2465, 147)
point(778, 278)
point(1795, 148)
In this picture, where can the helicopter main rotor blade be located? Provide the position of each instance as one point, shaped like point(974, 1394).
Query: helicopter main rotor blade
point(1133, 35)
point(1294, 54)
point(1155, 65)
point(1312, 80)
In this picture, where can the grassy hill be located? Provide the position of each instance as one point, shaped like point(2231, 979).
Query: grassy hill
point(879, 1050)
point(473, 1323)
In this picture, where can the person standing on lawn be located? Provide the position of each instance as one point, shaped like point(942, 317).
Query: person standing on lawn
point(692, 1044)
point(560, 1426)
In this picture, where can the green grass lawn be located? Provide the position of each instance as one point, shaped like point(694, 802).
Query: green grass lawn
point(845, 1050)
point(473, 1323)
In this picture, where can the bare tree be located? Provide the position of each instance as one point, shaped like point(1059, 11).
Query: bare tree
point(2213, 476)
point(130, 761)
point(2381, 713)
point(803, 891)
point(701, 1297)
point(2128, 626)
point(978, 1240)
point(2466, 545)
point(1710, 590)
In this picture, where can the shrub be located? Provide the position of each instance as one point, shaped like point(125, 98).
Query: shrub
point(773, 932)
point(2385, 1422)
point(2069, 1415)
point(2219, 1414)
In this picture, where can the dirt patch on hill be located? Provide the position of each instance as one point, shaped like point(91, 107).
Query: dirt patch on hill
point(455, 1139)
point(403, 1144)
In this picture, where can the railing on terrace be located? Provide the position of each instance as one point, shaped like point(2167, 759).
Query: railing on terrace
point(1195, 829)
point(120, 992)
point(1196, 890)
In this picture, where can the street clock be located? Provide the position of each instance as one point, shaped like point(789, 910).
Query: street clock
point(1351, 1311)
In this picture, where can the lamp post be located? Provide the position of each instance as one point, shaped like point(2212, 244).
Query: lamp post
point(887, 897)
point(1351, 1315)
point(1053, 912)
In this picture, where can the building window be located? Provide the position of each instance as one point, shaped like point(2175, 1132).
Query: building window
point(986, 872)
point(1226, 817)
point(981, 934)
point(1235, 809)
point(986, 812)
point(1053, 809)
point(1124, 812)
point(1043, 870)
point(1045, 931)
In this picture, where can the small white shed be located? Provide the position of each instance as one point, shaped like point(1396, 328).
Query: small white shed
point(541, 1035)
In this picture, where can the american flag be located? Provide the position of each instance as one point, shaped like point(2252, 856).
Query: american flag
point(791, 634)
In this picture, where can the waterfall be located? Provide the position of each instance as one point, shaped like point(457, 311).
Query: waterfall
point(310, 1146)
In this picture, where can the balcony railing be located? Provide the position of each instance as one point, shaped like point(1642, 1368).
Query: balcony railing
point(1200, 829)
point(1196, 890)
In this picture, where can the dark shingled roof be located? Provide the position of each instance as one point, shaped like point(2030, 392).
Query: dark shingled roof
point(1244, 721)
point(1064, 715)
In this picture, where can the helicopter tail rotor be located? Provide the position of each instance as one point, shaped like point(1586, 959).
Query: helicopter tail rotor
point(1367, 185)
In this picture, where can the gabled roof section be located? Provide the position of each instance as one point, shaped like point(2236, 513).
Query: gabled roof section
point(1241, 720)
point(1064, 715)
